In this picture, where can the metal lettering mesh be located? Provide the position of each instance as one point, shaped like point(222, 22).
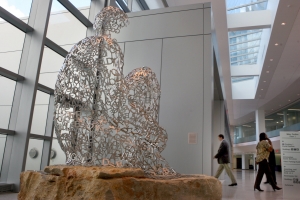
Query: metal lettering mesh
point(102, 117)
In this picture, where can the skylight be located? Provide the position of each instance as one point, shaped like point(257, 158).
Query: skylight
point(244, 46)
point(238, 6)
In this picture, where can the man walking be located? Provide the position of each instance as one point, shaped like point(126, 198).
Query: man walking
point(223, 160)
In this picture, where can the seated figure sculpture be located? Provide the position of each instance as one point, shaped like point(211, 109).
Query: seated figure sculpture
point(102, 117)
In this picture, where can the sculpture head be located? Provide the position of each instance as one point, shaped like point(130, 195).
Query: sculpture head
point(110, 19)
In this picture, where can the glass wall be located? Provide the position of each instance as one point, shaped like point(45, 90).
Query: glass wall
point(2, 147)
point(51, 64)
point(11, 40)
point(71, 30)
point(34, 154)
point(40, 113)
point(287, 119)
point(19, 102)
point(19, 8)
point(7, 87)
point(245, 133)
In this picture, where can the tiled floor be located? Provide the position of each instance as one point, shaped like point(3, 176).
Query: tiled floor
point(244, 190)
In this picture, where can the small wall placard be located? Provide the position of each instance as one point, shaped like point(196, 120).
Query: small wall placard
point(192, 138)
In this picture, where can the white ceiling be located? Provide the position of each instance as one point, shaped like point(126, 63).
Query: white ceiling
point(283, 78)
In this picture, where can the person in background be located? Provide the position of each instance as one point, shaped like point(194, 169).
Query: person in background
point(264, 147)
point(272, 164)
point(223, 160)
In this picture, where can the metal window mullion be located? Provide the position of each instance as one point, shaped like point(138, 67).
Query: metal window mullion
point(39, 137)
point(7, 16)
point(123, 6)
point(256, 39)
point(11, 75)
point(72, 9)
point(48, 133)
point(6, 132)
point(96, 6)
point(24, 99)
point(45, 89)
point(143, 4)
point(165, 3)
point(55, 47)
point(244, 54)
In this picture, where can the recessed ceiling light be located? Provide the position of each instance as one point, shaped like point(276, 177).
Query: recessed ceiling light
point(272, 109)
point(267, 71)
point(276, 44)
point(282, 23)
point(289, 100)
point(271, 59)
point(265, 81)
point(298, 94)
point(262, 89)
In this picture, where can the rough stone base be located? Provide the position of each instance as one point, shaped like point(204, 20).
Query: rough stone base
point(110, 183)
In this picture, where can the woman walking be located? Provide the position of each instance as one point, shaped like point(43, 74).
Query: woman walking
point(264, 147)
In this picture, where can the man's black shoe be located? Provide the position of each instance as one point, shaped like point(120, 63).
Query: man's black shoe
point(233, 184)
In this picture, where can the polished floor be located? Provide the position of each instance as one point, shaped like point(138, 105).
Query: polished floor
point(244, 190)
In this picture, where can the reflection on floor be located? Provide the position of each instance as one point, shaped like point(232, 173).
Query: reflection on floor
point(244, 190)
point(8, 196)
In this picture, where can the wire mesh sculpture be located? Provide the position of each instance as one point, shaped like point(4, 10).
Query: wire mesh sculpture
point(102, 117)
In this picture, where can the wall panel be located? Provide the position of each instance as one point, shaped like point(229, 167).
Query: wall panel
point(143, 53)
point(181, 105)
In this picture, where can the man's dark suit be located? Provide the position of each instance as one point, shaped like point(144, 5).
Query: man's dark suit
point(223, 160)
point(223, 154)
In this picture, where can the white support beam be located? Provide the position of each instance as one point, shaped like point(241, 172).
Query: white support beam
point(249, 20)
point(245, 70)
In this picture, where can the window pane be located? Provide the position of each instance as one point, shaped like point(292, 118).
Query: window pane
point(51, 64)
point(274, 121)
point(40, 112)
point(245, 133)
point(7, 87)
point(2, 147)
point(64, 29)
point(154, 4)
point(11, 40)
point(135, 6)
point(34, 154)
point(59, 157)
point(242, 5)
point(19, 8)
point(83, 6)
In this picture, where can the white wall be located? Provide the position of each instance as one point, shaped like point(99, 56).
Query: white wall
point(171, 41)
point(244, 89)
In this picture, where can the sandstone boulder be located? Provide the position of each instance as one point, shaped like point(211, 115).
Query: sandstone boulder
point(110, 183)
